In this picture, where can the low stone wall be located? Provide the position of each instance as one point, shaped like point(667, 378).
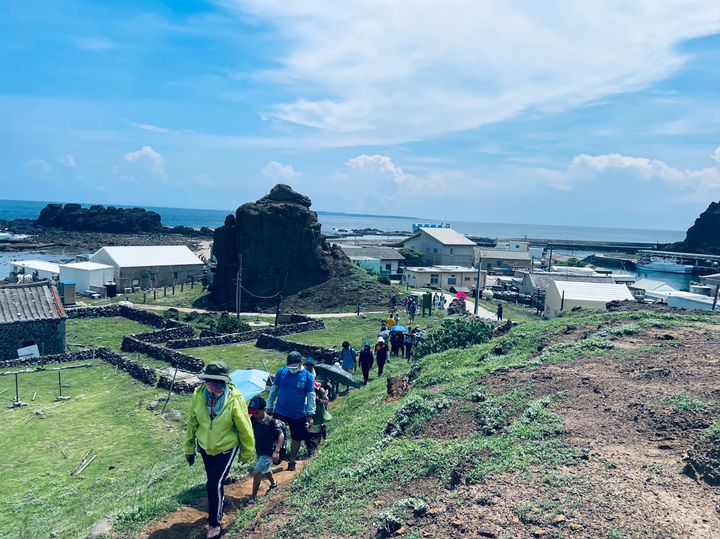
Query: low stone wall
point(180, 386)
point(164, 335)
point(80, 355)
point(247, 336)
point(138, 315)
point(176, 359)
point(320, 355)
point(293, 318)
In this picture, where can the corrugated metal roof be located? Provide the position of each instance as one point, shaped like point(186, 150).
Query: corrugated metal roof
point(648, 284)
point(140, 256)
point(541, 281)
point(503, 254)
point(23, 303)
point(35, 265)
point(381, 253)
point(87, 266)
point(593, 291)
point(446, 236)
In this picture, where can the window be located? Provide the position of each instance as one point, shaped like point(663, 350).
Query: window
point(135, 282)
point(452, 251)
point(175, 274)
point(388, 267)
point(427, 250)
point(452, 280)
point(467, 278)
point(434, 278)
point(27, 343)
point(435, 251)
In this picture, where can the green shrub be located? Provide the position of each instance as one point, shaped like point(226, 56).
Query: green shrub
point(172, 314)
point(383, 279)
point(228, 324)
point(454, 333)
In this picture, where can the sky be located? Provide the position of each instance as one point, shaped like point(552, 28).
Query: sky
point(594, 113)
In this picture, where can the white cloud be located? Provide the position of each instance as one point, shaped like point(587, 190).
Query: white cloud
point(68, 161)
point(705, 181)
point(715, 156)
point(94, 43)
point(402, 71)
point(380, 170)
point(150, 127)
point(276, 171)
point(154, 160)
point(38, 165)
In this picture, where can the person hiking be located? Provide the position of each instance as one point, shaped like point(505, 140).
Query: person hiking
point(384, 333)
point(347, 356)
point(269, 443)
point(219, 428)
point(292, 401)
point(390, 322)
point(381, 355)
point(408, 341)
point(318, 431)
point(412, 311)
point(393, 301)
point(499, 311)
point(366, 362)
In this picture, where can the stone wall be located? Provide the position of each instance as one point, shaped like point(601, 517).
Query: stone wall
point(80, 355)
point(247, 336)
point(138, 315)
point(164, 335)
point(320, 355)
point(176, 359)
point(180, 386)
point(49, 335)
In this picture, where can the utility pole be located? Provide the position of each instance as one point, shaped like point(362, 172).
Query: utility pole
point(717, 291)
point(477, 289)
point(238, 289)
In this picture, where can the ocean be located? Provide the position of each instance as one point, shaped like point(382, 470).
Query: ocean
point(196, 218)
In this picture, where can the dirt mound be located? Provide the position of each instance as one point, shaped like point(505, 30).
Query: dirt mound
point(703, 461)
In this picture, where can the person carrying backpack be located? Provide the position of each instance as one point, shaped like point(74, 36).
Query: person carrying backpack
point(381, 354)
point(269, 443)
point(366, 361)
point(408, 341)
point(347, 357)
point(292, 401)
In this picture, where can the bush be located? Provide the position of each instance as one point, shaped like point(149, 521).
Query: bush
point(413, 258)
point(454, 333)
point(171, 314)
point(383, 279)
point(228, 324)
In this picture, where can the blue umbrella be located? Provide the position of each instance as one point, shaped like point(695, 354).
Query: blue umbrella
point(403, 329)
point(250, 382)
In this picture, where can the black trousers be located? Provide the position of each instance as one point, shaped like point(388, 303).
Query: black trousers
point(217, 468)
point(366, 371)
point(381, 365)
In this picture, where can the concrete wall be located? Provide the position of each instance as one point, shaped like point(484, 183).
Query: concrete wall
point(49, 335)
point(157, 276)
point(464, 279)
point(553, 301)
point(439, 254)
point(85, 279)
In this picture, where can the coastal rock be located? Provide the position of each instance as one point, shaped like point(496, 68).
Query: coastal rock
point(282, 251)
point(704, 235)
point(98, 218)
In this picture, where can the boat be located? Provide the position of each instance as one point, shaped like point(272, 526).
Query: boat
point(666, 265)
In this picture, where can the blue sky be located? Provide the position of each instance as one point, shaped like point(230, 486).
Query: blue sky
point(585, 113)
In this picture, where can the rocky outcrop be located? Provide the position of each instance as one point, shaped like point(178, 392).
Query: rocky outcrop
point(704, 235)
point(282, 250)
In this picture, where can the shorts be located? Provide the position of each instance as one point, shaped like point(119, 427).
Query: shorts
point(298, 430)
point(263, 464)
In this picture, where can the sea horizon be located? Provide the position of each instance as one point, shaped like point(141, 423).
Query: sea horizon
point(333, 220)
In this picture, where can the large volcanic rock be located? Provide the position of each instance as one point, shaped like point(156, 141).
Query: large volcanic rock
point(703, 236)
point(282, 250)
point(99, 218)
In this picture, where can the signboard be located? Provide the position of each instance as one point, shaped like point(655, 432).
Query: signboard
point(29, 351)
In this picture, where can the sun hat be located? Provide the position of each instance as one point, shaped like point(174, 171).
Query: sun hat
point(256, 404)
point(216, 370)
point(294, 358)
point(380, 339)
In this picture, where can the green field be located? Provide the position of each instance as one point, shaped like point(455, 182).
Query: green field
point(189, 297)
point(99, 332)
point(240, 356)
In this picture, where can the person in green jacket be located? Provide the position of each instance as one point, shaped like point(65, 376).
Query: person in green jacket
point(219, 427)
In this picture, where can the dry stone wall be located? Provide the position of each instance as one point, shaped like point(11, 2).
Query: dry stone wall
point(164, 335)
point(320, 355)
point(138, 315)
point(182, 361)
point(247, 336)
point(180, 386)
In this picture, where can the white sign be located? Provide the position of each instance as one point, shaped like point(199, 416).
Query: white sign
point(29, 351)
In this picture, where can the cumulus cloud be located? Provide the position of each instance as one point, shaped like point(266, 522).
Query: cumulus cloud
point(150, 127)
point(276, 171)
point(68, 161)
point(38, 165)
point(154, 160)
point(704, 180)
point(386, 173)
point(403, 71)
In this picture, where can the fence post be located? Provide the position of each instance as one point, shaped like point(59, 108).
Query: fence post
point(164, 291)
point(144, 297)
point(182, 286)
point(154, 293)
point(173, 293)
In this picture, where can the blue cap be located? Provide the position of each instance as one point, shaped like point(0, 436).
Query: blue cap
point(309, 361)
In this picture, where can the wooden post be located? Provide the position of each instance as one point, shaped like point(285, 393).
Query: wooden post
point(17, 389)
point(172, 384)
point(277, 310)
point(164, 291)
point(717, 291)
point(562, 300)
point(154, 294)
point(173, 292)
point(192, 282)
point(144, 297)
point(182, 286)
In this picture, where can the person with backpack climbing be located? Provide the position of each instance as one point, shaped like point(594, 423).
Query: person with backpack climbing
point(269, 443)
point(381, 354)
point(366, 361)
point(317, 431)
point(292, 401)
point(408, 341)
point(219, 428)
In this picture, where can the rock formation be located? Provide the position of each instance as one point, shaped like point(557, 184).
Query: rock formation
point(703, 236)
point(282, 251)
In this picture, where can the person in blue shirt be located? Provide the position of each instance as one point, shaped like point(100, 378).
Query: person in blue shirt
point(347, 357)
point(292, 401)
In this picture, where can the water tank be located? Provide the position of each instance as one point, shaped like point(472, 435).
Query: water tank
point(111, 289)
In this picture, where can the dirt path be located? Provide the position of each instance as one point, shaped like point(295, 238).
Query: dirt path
point(190, 521)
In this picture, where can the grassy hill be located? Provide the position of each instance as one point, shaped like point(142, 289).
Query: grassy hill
point(575, 427)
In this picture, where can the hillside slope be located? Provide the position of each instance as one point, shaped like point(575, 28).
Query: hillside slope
point(576, 427)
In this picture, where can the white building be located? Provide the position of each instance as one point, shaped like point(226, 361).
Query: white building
point(87, 276)
point(442, 246)
point(388, 259)
point(641, 287)
point(564, 295)
point(150, 266)
point(443, 277)
point(39, 269)
point(688, 300)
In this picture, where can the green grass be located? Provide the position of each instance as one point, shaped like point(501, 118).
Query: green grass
point(189, 297)
point(512, 311)
point(240, 356)
point(682, 402)
point(97, 332)
point(138, 473)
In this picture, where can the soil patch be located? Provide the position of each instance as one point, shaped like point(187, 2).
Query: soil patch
point(451, 424)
